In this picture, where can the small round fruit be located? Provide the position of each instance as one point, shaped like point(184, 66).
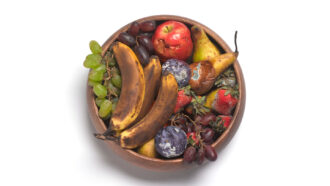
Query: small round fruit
point(99, 101)
point(179, 69)
point(200, 156)
point(116, 80)
point(134, 29)
point(207, 135)
point(92, 61)
point(95, 76)
point(202, 77)
point(126, 39)
point(146, 42)
point(210, 153)
point(207, 118)
point(171, 141)
point(95, 47)
point(148, 26)
point(189, 154)
point(105, 108)
point(142, 54)
point(100, 90)
point(147, 34)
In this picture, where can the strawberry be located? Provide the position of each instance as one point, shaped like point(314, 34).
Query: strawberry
point(182, 100)
point(192, 139)
point(226, 120)
point(222, 100)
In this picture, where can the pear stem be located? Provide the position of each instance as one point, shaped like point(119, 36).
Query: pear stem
point(235, 39)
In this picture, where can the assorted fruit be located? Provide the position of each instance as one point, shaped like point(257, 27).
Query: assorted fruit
point(164, 89)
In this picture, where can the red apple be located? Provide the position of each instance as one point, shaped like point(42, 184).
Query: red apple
point(172, 40)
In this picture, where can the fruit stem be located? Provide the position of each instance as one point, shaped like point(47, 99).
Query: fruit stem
point(235, 40)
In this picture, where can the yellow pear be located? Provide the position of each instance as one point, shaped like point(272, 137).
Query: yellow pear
point(204, 49)
point(148, 149)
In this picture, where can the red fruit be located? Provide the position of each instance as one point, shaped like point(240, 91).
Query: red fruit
point(181, 101)
point(192, 136)
point(225, 102)
point(226, 120)
point(207, 118)
point(172, 40)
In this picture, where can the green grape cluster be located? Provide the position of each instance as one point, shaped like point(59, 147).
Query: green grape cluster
point(106, 90)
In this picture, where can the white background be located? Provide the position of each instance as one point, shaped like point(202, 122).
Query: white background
point(46, 135)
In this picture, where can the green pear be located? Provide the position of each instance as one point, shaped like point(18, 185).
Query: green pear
point(204, 49)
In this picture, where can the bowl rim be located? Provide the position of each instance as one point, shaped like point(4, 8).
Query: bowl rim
point(219, 143)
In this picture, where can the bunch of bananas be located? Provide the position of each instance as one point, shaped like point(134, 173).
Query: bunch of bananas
point(138, 116)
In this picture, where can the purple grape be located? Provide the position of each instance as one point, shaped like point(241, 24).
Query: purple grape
point(179, 69)
point(126, 39)
point(170, 141)
point(148, 26)
point(200, 156)
point(189, 154)
point(142, 54)
point(207, 135)
point(146, 42)
point(210, 153)
point(134, 29)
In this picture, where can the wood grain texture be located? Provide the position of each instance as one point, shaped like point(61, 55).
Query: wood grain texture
point(173, 164)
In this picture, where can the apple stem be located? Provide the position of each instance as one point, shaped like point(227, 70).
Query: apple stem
point(235, 39)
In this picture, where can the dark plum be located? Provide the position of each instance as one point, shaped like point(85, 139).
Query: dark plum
point(179, 69)
point(146, 42)
point(189, 154)
point(126, 39)
point(170, 141)
point(210, 153)
point(134, 29)
point(148, 26)
point(142, 54)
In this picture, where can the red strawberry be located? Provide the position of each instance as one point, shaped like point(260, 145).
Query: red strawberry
point(182, 100)
point(192, 138)
point(225, 102)
point(225, 119)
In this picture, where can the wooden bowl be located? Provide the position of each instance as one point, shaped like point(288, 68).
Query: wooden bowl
point(172, 164)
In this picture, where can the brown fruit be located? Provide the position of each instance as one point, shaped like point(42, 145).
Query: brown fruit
point(202, 77)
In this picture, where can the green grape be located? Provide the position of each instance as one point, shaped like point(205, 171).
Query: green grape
point(101, 68)
point(112, 62)
point(92, 83)
point(92, 61)
point(114, 103)
point(95, 47)
point(113, 89)
point(100, 90)
point(116, 80)
point(114, 70)
point(105, 108)
point(95, 75)
point(99, 101)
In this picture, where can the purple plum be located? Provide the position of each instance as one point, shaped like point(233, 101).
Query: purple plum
point(179, 69)
point(171, 141)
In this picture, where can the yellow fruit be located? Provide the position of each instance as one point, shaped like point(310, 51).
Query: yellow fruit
point(160, 112)
point(222, 62)
point(148, 149)
point(204, 49)
point(133, 88)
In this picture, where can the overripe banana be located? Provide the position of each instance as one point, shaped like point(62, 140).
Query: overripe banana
point(152, 73)
point(160, 112)
point(133, 88)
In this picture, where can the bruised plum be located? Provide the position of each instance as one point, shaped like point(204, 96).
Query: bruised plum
point(179, 69)
point(171, 141)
